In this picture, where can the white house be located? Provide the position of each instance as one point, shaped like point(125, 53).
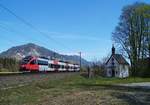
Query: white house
point(117, 66)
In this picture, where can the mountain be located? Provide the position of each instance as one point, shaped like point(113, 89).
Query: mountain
point(21, 51)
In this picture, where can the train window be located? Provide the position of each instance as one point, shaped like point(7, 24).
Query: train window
point(40, 62)
point(26, 59)
point(52, 66)
point(67, 67)
point(63, 66)
point(32, 62)
point(57, 66)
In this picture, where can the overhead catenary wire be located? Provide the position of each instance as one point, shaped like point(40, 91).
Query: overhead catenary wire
point(10, 29)
point(33, 27)
point(8, 40)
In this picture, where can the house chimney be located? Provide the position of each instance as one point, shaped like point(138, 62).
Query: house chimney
point(113, 50)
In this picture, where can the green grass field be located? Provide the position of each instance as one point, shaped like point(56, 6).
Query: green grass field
point(77, 90)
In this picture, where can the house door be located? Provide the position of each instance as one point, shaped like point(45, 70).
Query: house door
point(113, 73)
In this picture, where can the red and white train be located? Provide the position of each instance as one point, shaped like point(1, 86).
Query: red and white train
point(33, 64)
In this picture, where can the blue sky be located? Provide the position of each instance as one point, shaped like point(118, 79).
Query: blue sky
point(75, 25)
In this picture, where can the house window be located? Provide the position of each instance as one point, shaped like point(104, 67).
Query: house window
point(116, 72)
point(109, 71)
point(112, 61)
point(123, 67)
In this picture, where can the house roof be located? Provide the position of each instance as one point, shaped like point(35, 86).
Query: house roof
point(119, 58)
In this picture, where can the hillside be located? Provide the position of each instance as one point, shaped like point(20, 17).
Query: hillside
point(21, 51)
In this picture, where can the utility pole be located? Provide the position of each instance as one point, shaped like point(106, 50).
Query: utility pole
point(80, 60)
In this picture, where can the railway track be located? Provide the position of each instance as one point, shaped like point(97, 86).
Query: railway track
point(9, 80)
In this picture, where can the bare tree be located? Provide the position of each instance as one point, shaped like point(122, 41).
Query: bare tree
point(132, 34)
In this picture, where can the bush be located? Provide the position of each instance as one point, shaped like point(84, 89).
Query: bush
point(4, 70)
point(83, 69)
point(98, 70)
point(9, 65)
point(142, 68)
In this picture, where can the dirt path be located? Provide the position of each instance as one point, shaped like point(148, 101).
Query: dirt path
point(144, 85)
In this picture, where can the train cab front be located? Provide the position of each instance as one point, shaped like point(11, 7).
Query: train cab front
point(23, 68)
point(24, 64)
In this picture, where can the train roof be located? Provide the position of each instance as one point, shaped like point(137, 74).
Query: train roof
point(68, 62)
point(43, 57)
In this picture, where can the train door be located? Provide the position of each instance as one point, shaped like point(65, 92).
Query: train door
point(56, 65)
point(43, 65)
point(51, 66)
point(33, 66)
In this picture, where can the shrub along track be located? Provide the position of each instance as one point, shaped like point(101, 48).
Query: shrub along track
point(21, 79)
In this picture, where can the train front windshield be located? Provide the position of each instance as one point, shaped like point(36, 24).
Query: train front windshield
point(26, 60)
